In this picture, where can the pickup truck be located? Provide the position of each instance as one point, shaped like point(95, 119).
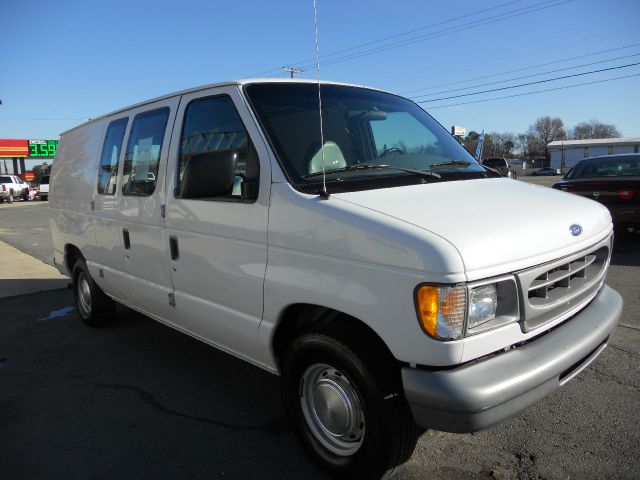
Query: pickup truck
point(11, 187)
point(500, 165)
point(43, 189)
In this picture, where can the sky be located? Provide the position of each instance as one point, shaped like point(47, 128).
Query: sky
point(64, 61)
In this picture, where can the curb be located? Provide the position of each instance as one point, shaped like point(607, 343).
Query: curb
point(22, 274)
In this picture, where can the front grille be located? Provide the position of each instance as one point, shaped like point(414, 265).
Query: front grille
point(555, 288)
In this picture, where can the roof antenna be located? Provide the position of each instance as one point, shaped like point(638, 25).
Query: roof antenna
point(323, 193)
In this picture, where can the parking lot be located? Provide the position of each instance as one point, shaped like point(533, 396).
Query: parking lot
point(138, 400)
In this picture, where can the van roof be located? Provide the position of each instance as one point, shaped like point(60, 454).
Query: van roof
point(212, 85)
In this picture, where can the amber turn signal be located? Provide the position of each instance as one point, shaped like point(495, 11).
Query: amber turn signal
point(441, 311)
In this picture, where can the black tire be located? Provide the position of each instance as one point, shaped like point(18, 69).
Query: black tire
point(95, 308)
point(10, 198)
point(373, 431)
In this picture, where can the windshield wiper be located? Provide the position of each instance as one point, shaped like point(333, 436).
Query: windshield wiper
point(420, 173)
point(369, 166)
point(462, 163)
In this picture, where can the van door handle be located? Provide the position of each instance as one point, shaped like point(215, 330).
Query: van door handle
point(127, 240)
point(173, 247)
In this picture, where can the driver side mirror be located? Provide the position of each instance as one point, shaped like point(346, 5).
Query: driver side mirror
point(209, 174)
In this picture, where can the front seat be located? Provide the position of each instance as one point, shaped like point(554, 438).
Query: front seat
point(333, 158)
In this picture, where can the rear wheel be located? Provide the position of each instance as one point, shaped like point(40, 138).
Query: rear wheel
point(345, 403)
point(94, 306)
point(10, 198)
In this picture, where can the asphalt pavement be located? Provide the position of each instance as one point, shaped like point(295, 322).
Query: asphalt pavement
point(139, 400)
point(25, 226)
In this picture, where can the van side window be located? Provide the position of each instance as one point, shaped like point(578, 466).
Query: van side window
point(212, 125)
point(110, 157)
point(142, 156)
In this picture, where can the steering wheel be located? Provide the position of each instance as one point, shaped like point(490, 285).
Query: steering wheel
point(387, 151)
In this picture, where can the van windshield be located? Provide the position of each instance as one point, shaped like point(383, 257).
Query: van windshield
point(367, 135)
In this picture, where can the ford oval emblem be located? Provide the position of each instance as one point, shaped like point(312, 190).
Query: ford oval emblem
point(575, 229)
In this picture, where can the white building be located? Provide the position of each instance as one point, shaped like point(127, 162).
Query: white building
point(572, 151)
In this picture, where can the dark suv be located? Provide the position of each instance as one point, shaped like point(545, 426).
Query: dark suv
point(497, 163)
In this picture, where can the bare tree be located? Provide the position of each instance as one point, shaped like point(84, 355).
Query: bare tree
point(545, 131)
point(499, 145)
point(582, 131)
point(594, 129)
point(523, 143)
point(509, 145)
point(487, 146)
point(471, 142)
point(504, 144)
point(532, 145)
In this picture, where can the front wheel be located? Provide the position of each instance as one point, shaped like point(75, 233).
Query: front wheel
point(345, 403)
point(94, 306)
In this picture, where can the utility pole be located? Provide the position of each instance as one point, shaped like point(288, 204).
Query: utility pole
point(292, 70)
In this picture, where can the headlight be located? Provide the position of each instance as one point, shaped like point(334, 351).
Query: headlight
point(483, 303)
point(451, 312)
point(441, 311)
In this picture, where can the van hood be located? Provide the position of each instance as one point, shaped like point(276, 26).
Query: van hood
point(497, 225)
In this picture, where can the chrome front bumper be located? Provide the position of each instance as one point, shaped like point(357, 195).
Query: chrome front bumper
point(477, 395)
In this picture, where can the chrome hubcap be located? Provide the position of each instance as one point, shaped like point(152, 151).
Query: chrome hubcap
point(332, 409)
point(84, 294)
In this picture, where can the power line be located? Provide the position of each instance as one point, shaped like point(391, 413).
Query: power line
point(390, 37)
point(487, 61)
point(533, 93)
point(530, 83)
point(426, 27)
point(422, 38)
point(502, 16)
point(562, 60)
point(527, 76)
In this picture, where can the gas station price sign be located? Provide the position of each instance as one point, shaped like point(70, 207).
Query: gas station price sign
point(42, 148)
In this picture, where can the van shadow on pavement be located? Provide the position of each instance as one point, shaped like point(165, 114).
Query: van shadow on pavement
point(132, 400)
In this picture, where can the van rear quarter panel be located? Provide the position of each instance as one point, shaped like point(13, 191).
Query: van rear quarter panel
point(74, 175)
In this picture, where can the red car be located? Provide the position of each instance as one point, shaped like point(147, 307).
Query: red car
point(613, 180)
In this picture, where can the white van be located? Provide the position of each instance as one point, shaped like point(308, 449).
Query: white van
point(370, 274)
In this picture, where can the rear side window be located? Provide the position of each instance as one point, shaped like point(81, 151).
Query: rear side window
point(212, 124)
point(110, 157)
point(606, 167)
point(142, 156)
